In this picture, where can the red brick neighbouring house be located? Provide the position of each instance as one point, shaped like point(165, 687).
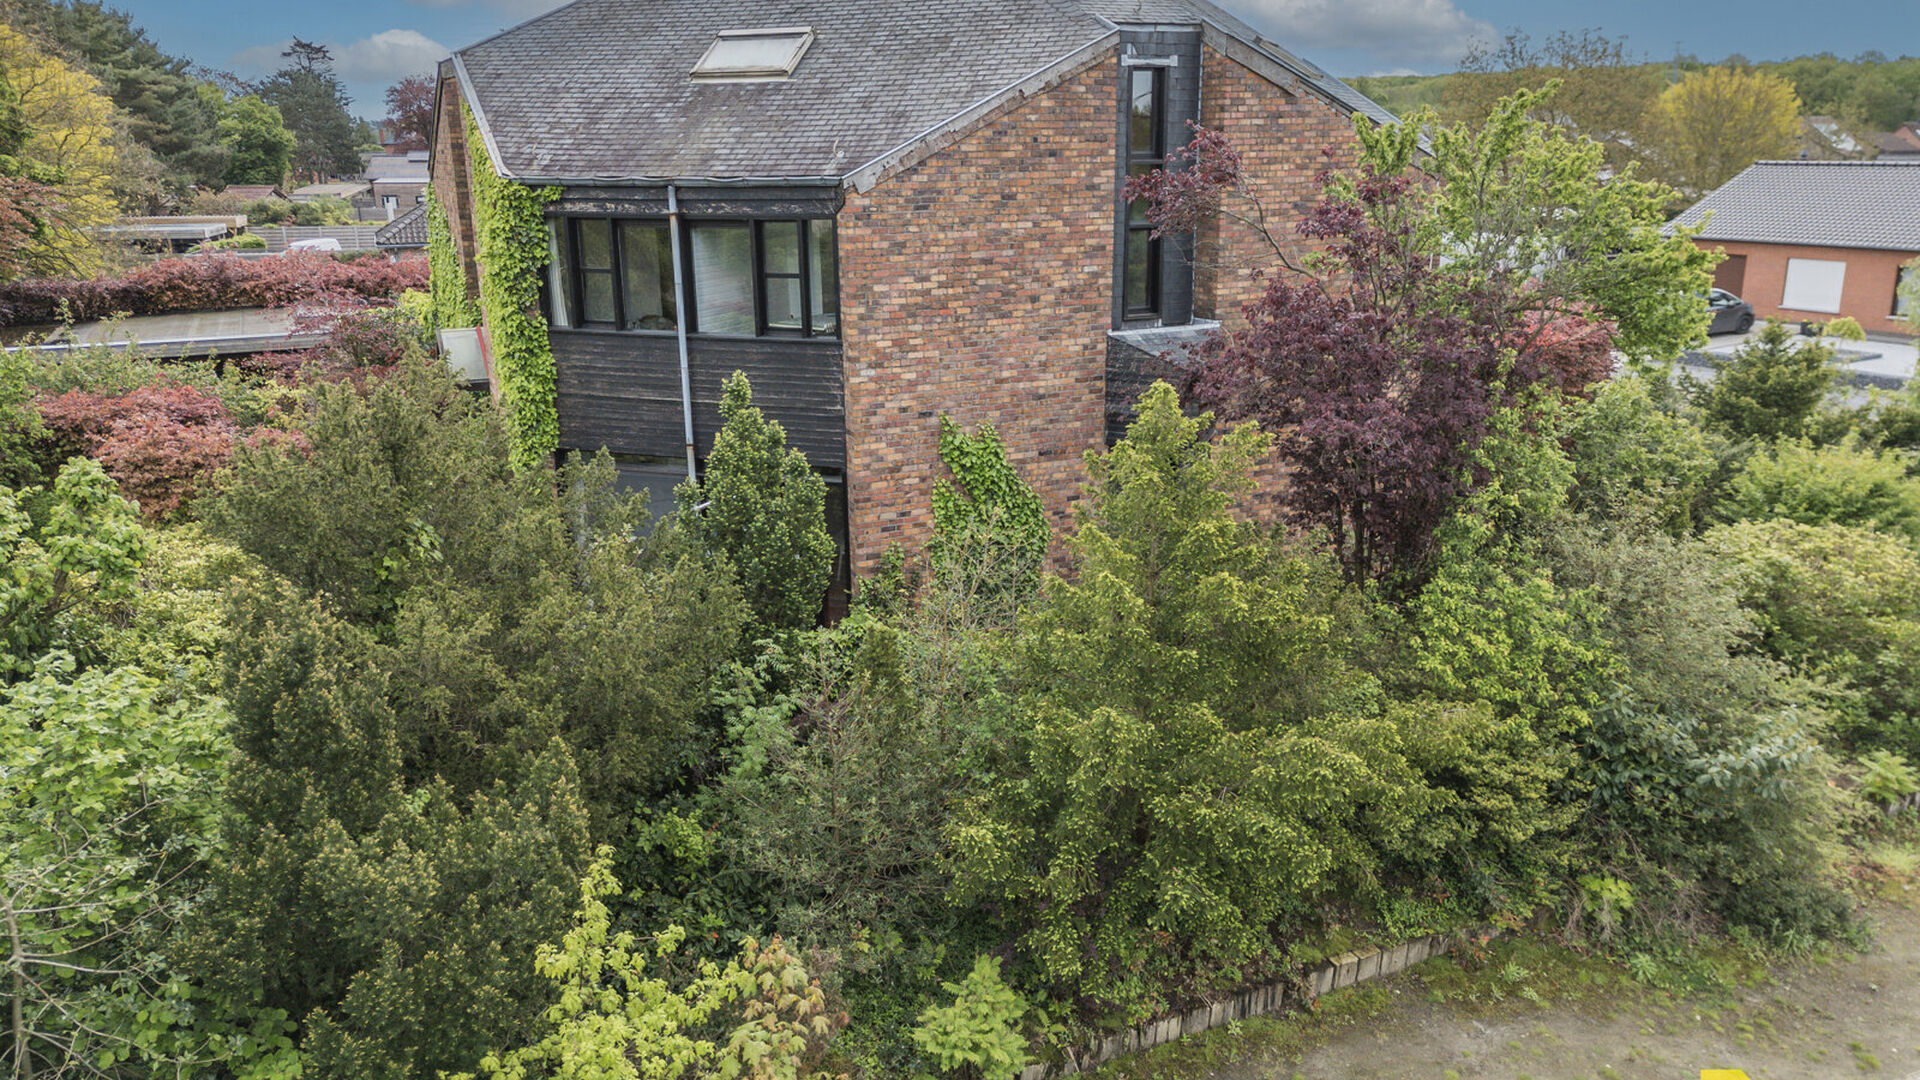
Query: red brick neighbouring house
point(1814, 240)
point(881, 213)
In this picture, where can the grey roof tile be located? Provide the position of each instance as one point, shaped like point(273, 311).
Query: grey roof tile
point(409, 230)
point(1854, 204)
point(599, 89)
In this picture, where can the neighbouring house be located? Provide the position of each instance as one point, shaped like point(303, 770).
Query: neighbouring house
point(1824, 138)
point(397, 182)
point(408, 232)
point(1812, 240)
point(1901, 142)
point(883, 214)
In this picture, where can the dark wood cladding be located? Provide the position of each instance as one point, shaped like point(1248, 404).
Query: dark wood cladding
point(622, 391)
point(735, 202)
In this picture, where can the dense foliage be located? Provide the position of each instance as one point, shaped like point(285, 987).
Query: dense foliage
point(759, 505)
point(346, 733)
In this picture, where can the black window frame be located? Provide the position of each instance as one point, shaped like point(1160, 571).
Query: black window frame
point(576, 273)
point(1154, 155)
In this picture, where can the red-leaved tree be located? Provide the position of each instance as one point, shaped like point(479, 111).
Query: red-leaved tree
point(1375, 368)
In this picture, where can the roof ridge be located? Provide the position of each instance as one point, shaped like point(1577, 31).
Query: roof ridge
point(1807, 161)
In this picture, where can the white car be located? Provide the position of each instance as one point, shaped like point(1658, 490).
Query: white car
point(318, 243)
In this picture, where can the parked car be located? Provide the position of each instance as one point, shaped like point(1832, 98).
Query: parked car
point(322, 243)
point(1731, 315)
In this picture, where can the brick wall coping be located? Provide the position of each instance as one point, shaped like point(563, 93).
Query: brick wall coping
point(1347, 969)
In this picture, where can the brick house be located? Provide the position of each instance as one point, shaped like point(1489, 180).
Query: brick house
point(1813, 240)
point(882, 213)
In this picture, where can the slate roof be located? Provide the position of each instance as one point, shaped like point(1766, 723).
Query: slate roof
point(1850, 204)
point(409, 230)
point(599, 89)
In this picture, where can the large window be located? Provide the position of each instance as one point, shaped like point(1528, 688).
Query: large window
point(1902, 306)
point(741, 277)
point(1146, 152)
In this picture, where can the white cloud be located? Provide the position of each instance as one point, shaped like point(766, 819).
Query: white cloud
point(388, 56)
point(1393, 33)
point(385, 57)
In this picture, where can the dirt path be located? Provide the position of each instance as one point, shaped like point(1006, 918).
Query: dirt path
point(1858, 1016)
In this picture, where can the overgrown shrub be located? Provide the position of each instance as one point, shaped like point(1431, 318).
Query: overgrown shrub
point(1770, 387)
point(1840, 484)
point(161, 442)
point(1842, 603)
point(1633, 456)
point(763, 507)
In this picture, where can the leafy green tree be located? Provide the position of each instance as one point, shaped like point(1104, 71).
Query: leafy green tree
point(109, 805)
point(1521, 213)
point(1711, 124)
point(260, 148)
point(167, 107)
point(1770, 387)
point(313, 105)
point(1155, 808)
point(619, 1020)
point(764, 508)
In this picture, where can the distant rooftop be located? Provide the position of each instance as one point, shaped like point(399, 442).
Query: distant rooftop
point(605, 90)
point(409, 230)
point(1850, 204)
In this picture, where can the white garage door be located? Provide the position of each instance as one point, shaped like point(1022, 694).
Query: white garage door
point(1814, 285)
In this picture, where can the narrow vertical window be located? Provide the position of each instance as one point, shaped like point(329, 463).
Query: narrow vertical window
point(559, 274)
point(782, 290)
point(1146, 152)
point(593, 249)
point(1902, 306)
point(823, 278)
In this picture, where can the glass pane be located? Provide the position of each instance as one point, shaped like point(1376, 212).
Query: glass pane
point(559, 275)
point(1142, 137)
point(1139, 288)
point(825, 271)
point(596, 244)
point(780, 246)
point(752, 54)
point(722, 279)
point(783, 303)
point(597, 295)
point(646, 254)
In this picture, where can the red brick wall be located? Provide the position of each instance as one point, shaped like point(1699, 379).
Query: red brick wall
point(1281, 138)
point(449, 178)
point(977, 284)
point(1866, 294)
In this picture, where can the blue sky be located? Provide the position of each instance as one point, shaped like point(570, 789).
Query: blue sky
point(376, 42)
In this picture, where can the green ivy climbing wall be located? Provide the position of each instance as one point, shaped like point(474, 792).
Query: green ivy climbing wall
point(452, 307)
point(510, 220)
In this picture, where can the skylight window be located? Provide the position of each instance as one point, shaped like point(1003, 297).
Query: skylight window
point(754, 54)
